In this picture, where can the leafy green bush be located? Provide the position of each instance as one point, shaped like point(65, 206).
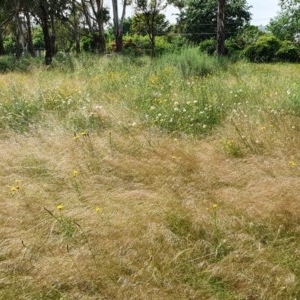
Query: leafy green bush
point(38, 38)
point(5, 63)
point(9, 44)
point(263, 50)
point(87, 43)
point(208, 46)
point(288, 52)
point(10, 63)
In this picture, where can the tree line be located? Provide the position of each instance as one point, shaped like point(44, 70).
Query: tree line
point(92, 23)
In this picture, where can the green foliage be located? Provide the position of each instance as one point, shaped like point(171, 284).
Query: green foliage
point(263, 50)
point(291, 103)
point(208, 46)
point(38, 38)
point(138, 45)
point(87, 44)
point(200, 18)
point(67, 226)
point(141, 24)
point(288, 52)
point(286, 24)
point(9, 44)
point(191, 62)
point(19, 114)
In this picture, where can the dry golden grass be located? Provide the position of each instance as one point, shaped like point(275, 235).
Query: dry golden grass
point(155, 221)
point(128, 212)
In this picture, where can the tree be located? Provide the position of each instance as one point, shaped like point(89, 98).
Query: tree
point(96, 15)
point(200, 18)
point(46, 12)
point(118, 24)
point(286, 25)
point(221, 28)
point(8, 12)
point(283, 26)
point(149, 20)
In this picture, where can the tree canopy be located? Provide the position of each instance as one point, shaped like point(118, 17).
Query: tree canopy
point(200, 18)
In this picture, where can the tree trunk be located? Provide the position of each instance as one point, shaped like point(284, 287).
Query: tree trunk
point(77, 42)
point(221, 28)
point(29, 35)
point(18, 45)
point(118, 26)
point(53, 35)
point(47, 38)
point(119, 43)
point(101, 43)
point(2, 52)
point(75, 28)
point(152, 34)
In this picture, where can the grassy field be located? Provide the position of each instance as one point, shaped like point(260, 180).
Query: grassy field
point(174, 178)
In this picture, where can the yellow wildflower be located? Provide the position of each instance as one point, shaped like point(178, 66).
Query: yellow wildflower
point(292, 163)
point(59, 206)
point(98, 209)
point(75, 173)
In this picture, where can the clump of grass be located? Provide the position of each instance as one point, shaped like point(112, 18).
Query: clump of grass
point(192, 62)
point(19, 114)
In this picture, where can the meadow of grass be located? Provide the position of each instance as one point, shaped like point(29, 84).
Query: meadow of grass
point(173, 178)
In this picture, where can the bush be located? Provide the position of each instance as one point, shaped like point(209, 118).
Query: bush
point(87, 43)
point(208, 46)
point(10, 63)
point(9, 44)
point(288, 52)
point(263, 50)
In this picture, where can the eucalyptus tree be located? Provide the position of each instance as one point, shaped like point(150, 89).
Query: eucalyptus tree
point(46, 13)
point(72, 23)
point(96, 15)
point(200, 18)
point(118, 23)
point(8, 10)
point(2, 29)
point(221, 27)
point(150, 20)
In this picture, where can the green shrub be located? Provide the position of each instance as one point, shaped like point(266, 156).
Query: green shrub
point(9, 44)
point(87, 43)
point(263, 50)
point(288, 52)
point(10, 63)
point(5, 63)
point(208, 46)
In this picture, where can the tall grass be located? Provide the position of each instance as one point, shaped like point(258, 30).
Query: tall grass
point(104, 198)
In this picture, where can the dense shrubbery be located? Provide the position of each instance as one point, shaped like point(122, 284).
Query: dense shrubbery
point(263, 50)
point(268, 48)
point(9, 63)
point(289, 52)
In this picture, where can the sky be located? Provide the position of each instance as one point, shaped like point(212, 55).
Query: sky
point(263, 10)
